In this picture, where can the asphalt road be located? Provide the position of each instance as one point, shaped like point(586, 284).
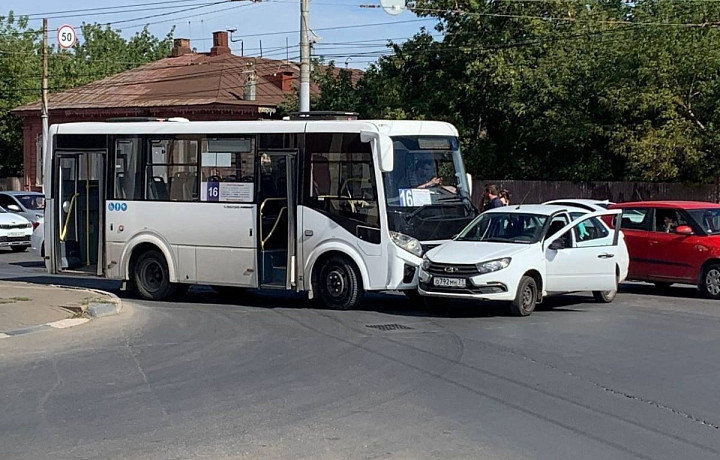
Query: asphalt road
point(271, 376)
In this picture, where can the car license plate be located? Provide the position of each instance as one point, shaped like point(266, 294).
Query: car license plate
point(449, 282)
point(14, 234)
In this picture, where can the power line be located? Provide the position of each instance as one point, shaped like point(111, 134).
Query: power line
point(49, 15)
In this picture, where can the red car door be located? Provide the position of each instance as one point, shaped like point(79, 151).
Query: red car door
point(674, 257)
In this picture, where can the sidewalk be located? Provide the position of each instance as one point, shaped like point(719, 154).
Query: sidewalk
point(27, 307)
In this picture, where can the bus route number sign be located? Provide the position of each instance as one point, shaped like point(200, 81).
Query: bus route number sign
point(213, 191)
point(66, 36)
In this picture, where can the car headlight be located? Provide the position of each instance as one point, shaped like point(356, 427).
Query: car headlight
point(408, 243)
point(425, 263)
point(493, 265)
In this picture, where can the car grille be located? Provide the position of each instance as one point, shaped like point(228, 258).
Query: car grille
point(452, 269)
point(11, 226)
point(13, 239)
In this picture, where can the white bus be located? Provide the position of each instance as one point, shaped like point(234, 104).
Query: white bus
point(323, 206)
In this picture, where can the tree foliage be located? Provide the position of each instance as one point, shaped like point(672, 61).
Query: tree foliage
point(102, 52)
point(590, 90)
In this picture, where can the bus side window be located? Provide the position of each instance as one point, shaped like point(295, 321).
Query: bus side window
point(127, 169)
point(340, 180)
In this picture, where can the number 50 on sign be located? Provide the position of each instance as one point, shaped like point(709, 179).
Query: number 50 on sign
point(66, 37)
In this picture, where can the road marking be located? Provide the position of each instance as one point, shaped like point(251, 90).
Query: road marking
point(65, 323)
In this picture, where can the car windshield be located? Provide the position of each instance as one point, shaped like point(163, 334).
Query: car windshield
point(505, 228)
point(33, 202)
point(708, 219)
point(427, 193)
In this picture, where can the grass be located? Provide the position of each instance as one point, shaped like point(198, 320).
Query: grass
point(14, 299)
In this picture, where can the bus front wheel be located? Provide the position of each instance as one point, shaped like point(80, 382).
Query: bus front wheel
point(151, 276)
point(339, 284)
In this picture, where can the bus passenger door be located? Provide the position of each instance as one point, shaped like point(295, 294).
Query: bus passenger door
point(276, 218)
point(79, 212)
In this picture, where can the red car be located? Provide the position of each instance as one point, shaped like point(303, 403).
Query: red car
point(673, 242)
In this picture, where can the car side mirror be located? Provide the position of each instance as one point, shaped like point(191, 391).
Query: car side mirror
point(14, 208)
point(683, 230)
point(557, 244)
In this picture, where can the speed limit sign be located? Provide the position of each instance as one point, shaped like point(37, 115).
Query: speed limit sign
point(66, 37)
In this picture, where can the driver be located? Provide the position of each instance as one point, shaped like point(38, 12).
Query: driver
point(424, 175)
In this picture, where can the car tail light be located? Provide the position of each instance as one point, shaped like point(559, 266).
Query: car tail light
point(35, 225)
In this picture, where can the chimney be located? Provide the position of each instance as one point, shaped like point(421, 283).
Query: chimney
point(220, 44)
point(282, 80)
point(180, 46)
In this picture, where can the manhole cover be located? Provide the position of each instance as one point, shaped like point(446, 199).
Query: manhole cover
point(387, 327)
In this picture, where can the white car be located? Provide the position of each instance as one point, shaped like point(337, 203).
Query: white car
point(588, 204)
point(15, 231)
point(37, 240)
point(524, 253)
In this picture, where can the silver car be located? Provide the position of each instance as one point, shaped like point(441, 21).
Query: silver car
point(30, 205)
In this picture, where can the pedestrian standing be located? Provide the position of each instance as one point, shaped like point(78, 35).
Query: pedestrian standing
point(505, 197)
point(492, 197)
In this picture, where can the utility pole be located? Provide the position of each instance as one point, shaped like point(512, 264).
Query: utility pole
point(44, 110)
point(304, 57)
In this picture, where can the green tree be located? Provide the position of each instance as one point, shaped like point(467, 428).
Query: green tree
point(102, 52)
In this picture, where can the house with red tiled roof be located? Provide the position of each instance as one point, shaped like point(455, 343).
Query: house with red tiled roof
point(199, 86)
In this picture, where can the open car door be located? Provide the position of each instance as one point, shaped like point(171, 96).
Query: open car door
point(583, 255)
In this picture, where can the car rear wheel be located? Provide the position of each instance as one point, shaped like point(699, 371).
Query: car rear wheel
point(526, 297)
point(710, 284)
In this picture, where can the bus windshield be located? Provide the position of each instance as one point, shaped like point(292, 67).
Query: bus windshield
point(427, 186)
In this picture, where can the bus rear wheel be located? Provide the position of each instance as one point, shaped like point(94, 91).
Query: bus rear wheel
point(152, 277)
point(339, 284)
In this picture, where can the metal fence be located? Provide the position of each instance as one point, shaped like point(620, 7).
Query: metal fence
point(526, 191)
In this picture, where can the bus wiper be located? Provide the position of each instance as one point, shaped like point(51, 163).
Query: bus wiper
point(451, 198)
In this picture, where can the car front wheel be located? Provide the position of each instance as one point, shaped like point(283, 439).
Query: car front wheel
point(525, 298)
point(606, 296)
point(710, 284)
point(339, 284)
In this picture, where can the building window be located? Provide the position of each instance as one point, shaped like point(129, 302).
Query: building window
point(172, 170)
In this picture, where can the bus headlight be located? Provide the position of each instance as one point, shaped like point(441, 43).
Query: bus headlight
point(493, 265)
point(408, 243)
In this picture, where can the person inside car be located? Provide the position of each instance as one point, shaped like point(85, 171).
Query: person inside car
point(668, 224)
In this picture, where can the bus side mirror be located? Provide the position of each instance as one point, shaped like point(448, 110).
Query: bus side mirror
point(470, 184)
point(66, 207)
point(382, 147)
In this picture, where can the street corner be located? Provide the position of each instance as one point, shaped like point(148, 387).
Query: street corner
point(27, 308)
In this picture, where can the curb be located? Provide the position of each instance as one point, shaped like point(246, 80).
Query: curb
point(95, 310)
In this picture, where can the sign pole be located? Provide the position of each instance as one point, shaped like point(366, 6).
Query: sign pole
point(44, 112)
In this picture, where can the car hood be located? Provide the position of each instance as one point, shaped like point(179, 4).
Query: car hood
point(472, 252)
point(12, 219)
